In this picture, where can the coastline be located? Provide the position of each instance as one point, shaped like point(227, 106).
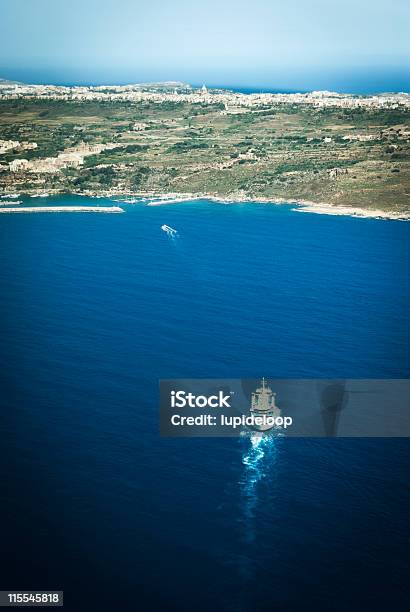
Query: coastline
point(306, 206)
point(323, 208)
point(158, 199)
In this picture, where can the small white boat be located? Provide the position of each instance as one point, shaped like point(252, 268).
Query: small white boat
point(169, 230)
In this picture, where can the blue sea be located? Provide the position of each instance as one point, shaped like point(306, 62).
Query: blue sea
point(96, 309)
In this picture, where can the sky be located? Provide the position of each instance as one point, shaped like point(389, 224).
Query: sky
point(348, 45)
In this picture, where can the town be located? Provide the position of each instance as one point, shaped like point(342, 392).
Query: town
point(181, 92)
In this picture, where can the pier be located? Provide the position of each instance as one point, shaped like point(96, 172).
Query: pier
point(63, 209)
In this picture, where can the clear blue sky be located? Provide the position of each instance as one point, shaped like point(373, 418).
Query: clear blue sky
point(284, 44)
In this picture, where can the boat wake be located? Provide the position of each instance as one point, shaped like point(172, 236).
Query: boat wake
point(259, 460)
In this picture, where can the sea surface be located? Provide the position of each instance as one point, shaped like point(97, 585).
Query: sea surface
point(95, 309)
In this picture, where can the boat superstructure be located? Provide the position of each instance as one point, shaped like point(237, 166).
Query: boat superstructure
point(263, 405)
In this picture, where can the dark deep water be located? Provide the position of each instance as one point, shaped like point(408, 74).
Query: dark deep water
point(96, 308)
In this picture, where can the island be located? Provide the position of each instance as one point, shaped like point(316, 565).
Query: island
point(319, 149)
